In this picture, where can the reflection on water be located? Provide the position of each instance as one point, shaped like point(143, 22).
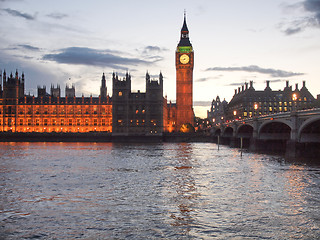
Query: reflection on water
point(157, 191)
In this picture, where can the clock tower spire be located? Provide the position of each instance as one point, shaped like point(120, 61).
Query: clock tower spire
point(184, 78)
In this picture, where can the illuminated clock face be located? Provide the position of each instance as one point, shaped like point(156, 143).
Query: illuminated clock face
point(184, 59)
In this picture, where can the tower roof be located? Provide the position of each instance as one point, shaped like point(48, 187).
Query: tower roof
point(184, 26)
point(184, 37)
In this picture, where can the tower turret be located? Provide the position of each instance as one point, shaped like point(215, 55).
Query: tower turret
point(55, 91)
point(70, 91)
point(13, 87)
point(103, 88)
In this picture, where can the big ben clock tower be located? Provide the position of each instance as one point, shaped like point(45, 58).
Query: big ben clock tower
point(184, 78)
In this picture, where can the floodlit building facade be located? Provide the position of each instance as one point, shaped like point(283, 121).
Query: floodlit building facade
point(51, 112)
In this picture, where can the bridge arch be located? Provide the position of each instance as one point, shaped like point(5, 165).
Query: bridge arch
point(245, 130)
point(309, 130)
point(228, 132)
point(216, 131)
point(286, 122)
point(275, 130)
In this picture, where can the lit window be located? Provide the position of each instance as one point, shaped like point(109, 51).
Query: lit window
point(120, 94)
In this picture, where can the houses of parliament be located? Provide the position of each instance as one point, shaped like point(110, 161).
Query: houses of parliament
point(125, 113)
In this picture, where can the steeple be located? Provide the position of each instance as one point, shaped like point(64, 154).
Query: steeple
point(103, 81)
point(103, 88)
point(184, 37)
point(147, 77)
point(184, 27)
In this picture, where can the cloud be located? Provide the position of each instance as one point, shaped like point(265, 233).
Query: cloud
point(202, 80)
point(235, 84)
point(290, 30)
point(206, 79)
point(57, 15)
point(257, 69)
point(93, 57)
point(297, 25)
point(201, 103)
point(152, 53)
point(17, 13)
point(153, 49)
point(276, 80)
point(312, 20)
point(314, 7)
point(29, 47)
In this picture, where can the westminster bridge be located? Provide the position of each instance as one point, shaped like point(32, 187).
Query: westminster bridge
point(296, 133)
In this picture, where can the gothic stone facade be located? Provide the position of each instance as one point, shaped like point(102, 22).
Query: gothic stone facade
point(248, 102)
point(51, 112)
point(137, 113)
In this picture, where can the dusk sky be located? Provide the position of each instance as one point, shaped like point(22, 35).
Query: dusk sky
point(59, 42)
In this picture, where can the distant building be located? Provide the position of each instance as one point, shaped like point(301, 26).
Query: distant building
point(247, 102)
point(218, 110)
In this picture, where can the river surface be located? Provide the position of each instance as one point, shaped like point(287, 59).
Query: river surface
point(154, 191)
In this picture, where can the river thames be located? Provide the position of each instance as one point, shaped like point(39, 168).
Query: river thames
point(154, 191)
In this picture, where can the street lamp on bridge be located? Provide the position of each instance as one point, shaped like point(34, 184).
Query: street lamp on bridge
point(255, 107)
point(294, 99)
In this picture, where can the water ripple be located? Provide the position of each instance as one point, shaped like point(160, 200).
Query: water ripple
point(154, 191)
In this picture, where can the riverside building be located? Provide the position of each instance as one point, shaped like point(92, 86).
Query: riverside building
point(51, 112)
point(248, 102)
